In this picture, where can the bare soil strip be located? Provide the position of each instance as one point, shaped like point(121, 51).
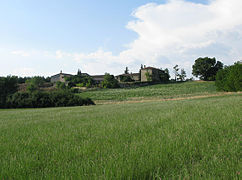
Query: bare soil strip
point(168, 99)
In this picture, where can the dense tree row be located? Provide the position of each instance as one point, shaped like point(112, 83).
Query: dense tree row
point(39, 99)
point(230, 78)
point(33, 97)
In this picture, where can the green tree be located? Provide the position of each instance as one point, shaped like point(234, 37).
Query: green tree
point(164, 76)
point(61, 85)
point(35, 83)
point(126, 70)
point(148, 76)
point(182, 76)
point(206, 68)
point(230, 78)
point(79, 73)
point(8, 86)
point(109, 81)
point(126, 79)
point(175, 70)
point(85, 81)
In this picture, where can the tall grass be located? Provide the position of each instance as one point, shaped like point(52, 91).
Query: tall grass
point(155, 91)
point(192, 139)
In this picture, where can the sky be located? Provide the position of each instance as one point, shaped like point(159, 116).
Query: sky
point(98, 36)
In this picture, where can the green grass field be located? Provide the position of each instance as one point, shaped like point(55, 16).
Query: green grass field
point(186, 139)
point(161, 91)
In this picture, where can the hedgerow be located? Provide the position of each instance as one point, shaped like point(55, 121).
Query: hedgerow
point(230, 78)
point(39, 99)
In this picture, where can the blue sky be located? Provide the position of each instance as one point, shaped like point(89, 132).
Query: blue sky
point(98, 36)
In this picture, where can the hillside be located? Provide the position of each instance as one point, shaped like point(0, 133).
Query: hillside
point(186, 139)
point(160, 91)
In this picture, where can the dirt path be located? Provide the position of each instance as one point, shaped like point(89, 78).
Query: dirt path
point(168, 99)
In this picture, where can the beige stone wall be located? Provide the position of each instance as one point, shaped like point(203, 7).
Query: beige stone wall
point(143, 74)
point(135, 77)
point(154, 73)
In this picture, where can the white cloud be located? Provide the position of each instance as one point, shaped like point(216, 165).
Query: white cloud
point(178, 32)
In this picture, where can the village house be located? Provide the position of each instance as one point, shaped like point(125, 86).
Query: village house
point(150, 74)
point(98, 78)
point(145, 74)
point(134, 76)
point(59, 77)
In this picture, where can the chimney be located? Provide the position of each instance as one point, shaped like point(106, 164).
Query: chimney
point(61, 72)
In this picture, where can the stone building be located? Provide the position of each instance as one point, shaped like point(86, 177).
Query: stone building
point(59, 77)
point(145, 74)
point(98, 78)
point(150, 74)
point(133, 76)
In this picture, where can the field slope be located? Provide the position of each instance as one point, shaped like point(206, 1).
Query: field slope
point(159, 91)
point(192, 139)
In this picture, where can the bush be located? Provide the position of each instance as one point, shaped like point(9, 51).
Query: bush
point(39, 99)
point(230, 78)
point(61, 85)
point(109, 81)
point(8, 85)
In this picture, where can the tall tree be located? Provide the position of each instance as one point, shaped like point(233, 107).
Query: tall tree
point(206, 68)
point(126, 70)
point(176, 69)
point(79, 73)
point(182, 76)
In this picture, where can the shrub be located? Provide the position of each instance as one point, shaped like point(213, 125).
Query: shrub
point(109, 81)
point(39, 99)
point(230, 78)
point(61, 85)
point(8, 85)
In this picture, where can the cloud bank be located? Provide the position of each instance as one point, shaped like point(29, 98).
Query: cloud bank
point(176, 32)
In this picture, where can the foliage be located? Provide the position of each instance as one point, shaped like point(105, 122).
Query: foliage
point(61, 85)
point(35, 83)
point(182, 76)
point(109, 81)
point(188, 139)
point(175, 70)
point(230, 78)
point(206, 68)
point(8, 85)
point(165, 76)
point(126, 79)
point(86, 81)
point(148, 76)
point(39, 99)
point(79, 73)
point(126, 70)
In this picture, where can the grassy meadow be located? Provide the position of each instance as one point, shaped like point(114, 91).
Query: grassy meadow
point(161, 91)
point(186, 139)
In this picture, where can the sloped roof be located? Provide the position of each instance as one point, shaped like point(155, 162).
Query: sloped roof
point(61, 74)
point(150, 68)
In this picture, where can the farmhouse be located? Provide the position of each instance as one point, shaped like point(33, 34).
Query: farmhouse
point(145, 74)
point(132, 76)
point(59, 77)
point(150, 74)
point(98, 78)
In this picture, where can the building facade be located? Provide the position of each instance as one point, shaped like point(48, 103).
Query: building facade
point(59, 77)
